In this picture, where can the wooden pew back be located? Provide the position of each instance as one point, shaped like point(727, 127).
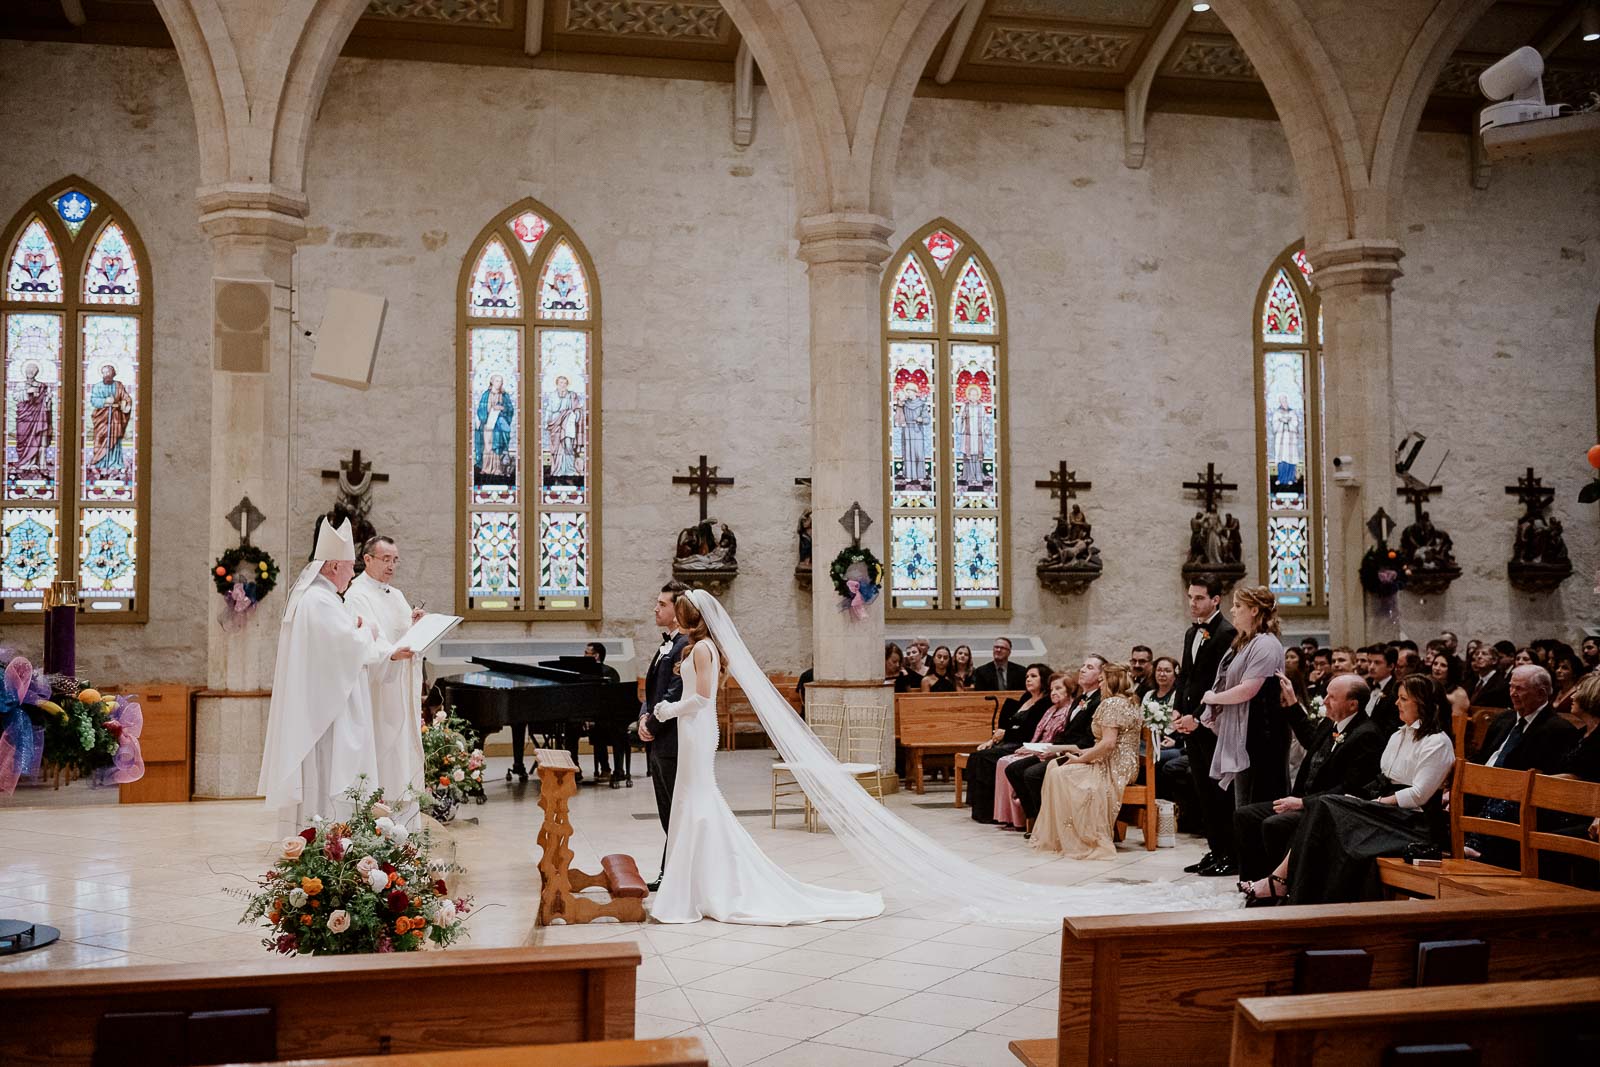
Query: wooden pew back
point(341, 1006)
point(1567, 796)
point(1161, 989)
point(946, 718)
point(1498, 783)
point(1508, 1024)
point(653, 1052)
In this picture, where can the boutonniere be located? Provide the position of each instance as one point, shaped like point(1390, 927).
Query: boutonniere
point(1205, 634)
point(1338, 738)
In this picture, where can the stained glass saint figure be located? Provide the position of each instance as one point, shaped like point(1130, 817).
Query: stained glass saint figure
point(914, 421)
point(112, 405)
point(1287, 439)
point(33, 401)
point(563, 428)
point(492, 434)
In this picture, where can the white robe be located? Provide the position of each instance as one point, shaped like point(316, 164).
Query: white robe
point(319, 728)
point(396, 692)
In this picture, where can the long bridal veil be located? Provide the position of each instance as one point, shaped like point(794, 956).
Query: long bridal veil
point(914, 869)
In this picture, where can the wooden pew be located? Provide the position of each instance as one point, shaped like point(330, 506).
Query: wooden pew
point(1507, 1024)
point(1469, 728)
point(942, 724)
point(736, 710)
point(655, 1052)
point(1160, 989)
point(1141, 795)
point(330, 1006)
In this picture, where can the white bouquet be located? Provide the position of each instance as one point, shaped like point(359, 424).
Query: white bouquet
point(1157, 713)
point(1315, 704)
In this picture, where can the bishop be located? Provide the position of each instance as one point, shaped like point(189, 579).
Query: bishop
point(319, 725)
point(395, 686)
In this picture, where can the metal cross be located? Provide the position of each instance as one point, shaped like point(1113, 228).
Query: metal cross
point(1381, 526)
point(355, 476)
point(1417, 496)
point(855, 522)
point(1531, 492)
point(245, 517)
point(1064, 485)
point(1210, 486)
point(702, 482)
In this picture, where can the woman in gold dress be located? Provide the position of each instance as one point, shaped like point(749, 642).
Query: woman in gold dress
point(1083, 790)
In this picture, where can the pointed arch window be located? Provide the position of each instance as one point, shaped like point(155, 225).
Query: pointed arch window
point(1287, 325)
point(944, 414)
point(75, 320)
point(528, 428)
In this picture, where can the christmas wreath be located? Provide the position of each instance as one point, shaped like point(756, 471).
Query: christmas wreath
point(857, 578)
point(1383, 572)
point(246, 568)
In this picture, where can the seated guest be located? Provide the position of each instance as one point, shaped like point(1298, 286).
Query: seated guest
point(1567, 672)
point(1380, 704)
point(1530, 734)
point(1026, 776)
point(1140, 662)
point(595, 650)
point(1505, 656)
point(1164, 690)
point(963, 669)
point(1446, 670)
point(1408, 661)
point(915, 662)
point(608, 740)
point(1321, 673)
point(941, 679)
point(1252, 752)
point(1583, 761)
point(1082, 791)
point(1342, 660)
point(1052, 724)
point(1308, 650)
point(1333, 855)
point(1018, 720)
point(1296, 668)
point(1342, 752)
point(1000, 675)
point(1589, 650)
point(893, 669)
point(1525, 658)
point(1489, 686)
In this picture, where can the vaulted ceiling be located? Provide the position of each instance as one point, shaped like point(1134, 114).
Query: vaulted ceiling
point(1067, 52)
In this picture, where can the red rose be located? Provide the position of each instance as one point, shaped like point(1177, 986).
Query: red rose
point(333, 848)
point(439, 887)
point(309, 833)
point(399, 902)
point(114, 729)
point(386, 868)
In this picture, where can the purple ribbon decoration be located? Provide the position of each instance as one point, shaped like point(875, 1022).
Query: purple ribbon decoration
point(21, 742)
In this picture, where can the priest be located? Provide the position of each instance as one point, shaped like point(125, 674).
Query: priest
point(395, 686)
point(319, 726)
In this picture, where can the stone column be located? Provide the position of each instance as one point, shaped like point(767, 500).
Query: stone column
point(844, 255)
point(1354, 279)
point(253, 232)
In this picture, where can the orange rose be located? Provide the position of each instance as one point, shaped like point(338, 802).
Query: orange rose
point(312, 886)
point(274, 917)
point(305, 920)
point(402, 925)
point(444, 779)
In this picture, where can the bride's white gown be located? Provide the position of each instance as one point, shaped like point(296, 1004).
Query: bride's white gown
point(714, 869)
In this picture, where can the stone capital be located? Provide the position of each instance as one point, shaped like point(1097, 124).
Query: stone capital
point(847, 238)
point(251, 209)
point(1372, 265)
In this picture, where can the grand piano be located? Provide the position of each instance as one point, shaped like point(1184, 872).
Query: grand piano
point(555, 698)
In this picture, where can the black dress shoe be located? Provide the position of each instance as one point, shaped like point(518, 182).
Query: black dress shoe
point(1222, 865)
point(653, 886)
point(1200, 864)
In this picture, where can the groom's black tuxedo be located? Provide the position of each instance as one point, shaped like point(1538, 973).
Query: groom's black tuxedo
point(662, 683)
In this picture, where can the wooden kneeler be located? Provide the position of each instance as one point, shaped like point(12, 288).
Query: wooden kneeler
point(558, 895)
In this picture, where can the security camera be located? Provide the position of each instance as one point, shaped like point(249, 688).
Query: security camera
point(1344, 470)
point(1516, 82)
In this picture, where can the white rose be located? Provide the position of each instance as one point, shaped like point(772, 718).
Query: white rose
point(446, 913)
point(460, 775)
point(477, 753)
point(338, 921)
point(297, 898)
point(400, 835)
point(366, 865)
point(385, 826)
point(477, 776)
point(377, 880)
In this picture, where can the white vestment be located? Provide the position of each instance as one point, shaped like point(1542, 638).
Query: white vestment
point(396, 691)
point(319, 728)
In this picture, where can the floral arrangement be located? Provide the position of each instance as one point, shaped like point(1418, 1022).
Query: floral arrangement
point(65, 729)
point(1157, 713)
point(1383, 572)
point(361, 885)
point(857, 578)
point(243, 576)
point(1315, 704)
point(452, 764)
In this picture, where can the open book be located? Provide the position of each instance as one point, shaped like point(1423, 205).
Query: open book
point(426, 632)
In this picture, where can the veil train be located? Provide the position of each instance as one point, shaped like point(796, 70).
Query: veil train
point(912, 866)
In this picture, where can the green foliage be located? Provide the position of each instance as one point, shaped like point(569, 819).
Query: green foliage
point(452, 763)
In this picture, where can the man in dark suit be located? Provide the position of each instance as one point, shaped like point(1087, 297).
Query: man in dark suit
point(662, 682)
point(1492, 686)
point(1530, 736)
point(1001, 675)
point(1206, 642)
point(1342, 753)
point(1380, 706)
point(1027, 776)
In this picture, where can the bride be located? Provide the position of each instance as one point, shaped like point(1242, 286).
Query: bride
point(715, 870)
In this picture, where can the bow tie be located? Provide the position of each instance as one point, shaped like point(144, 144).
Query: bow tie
point(665, 638)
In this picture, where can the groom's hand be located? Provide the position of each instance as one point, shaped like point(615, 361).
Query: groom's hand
point(644, 731)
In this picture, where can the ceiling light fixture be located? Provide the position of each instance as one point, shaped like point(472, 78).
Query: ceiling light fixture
point(1591, 22)
point(1207, 7)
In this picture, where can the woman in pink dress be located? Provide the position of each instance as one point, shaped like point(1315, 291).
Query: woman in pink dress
point(1008, 811)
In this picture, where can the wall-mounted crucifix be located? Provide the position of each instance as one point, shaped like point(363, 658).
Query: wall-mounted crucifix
point(1209, 485)
point(1539, 557)
point(1417, 496)
point(1428, 552)
point(356, 479)
point(1216, 544)
point(1064, 486)
point(855, 521)
point(702, 482)
point(1071, 559)
point(245, 517)
point(706, 553)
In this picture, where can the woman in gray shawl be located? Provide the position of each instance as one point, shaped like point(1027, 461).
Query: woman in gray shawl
point(1242, 710)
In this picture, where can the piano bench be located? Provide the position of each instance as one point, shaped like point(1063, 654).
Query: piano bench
point(622, 876)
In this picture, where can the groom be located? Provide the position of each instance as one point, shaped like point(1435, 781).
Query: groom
point(662, 683)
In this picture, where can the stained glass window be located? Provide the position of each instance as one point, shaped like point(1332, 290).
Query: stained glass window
point(944, 416)
point(1289, 416)
point(76, 321)
point(529, 531)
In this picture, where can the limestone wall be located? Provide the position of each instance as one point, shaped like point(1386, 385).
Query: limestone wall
point(1129, 296)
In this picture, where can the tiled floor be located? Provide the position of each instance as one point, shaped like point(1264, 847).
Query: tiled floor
point(159, 883)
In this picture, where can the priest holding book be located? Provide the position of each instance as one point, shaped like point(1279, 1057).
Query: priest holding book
point(319, 727)
point(395, 686)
